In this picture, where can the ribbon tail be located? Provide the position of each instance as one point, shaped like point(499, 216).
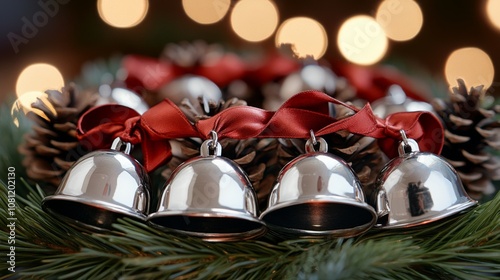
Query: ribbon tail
point(155, 153)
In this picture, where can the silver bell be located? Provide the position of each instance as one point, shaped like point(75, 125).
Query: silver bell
point(209, 197)
point(121, 96)
point(192, 87)
point(318, 194)
point(101, 187)
point(310, 77)
point(397, 101)
point(417, 188)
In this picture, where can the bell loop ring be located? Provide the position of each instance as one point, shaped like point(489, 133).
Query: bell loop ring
point(118, 143)
point(403, 135)
point(206, 147)
point(407, 146)
point(313, 137)
point(215, 139)
point(313, 141)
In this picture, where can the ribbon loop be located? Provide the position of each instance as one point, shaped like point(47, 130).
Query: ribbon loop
point(98, 127)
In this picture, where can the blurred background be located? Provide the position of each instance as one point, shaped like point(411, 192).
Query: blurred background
point(454, 38)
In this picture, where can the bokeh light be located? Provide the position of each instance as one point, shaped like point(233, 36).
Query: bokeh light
point(39, 77)
point(206, 11)
point(254, 20)
point(362, 40)
point(400, 19)
point(472, 65)
point(122, 13)
point(493, 12)
point(305, 36)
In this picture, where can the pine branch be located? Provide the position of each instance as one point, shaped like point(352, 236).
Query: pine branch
point(46, 248)
point(12, 136)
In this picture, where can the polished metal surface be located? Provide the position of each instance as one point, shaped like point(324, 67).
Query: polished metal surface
point(417, 188)
point(209, 197)
point(310, 77)
point(193, 88)
point(122, 96)
point(397, 101)
point(318, 194)
point(101, 187)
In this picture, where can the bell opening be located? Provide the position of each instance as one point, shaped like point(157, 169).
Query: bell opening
point(319, 217)
point(93, 217)
point(206, 225)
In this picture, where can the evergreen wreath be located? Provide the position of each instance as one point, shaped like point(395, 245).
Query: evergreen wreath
point(464, 246)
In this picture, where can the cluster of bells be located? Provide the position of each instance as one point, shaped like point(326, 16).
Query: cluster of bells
point(316, 195)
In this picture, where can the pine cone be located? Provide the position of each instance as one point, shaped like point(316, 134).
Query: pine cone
point(257, 157)
point(470, 132)
point(52, 147)
point(362, 153)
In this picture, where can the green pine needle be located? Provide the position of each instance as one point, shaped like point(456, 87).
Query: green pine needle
point(465, 247)
point(13, 125)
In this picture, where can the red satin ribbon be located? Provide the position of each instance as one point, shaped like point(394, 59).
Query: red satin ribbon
point(372, 83)
point(295, 118)
point(152, 74)
point(271, 67)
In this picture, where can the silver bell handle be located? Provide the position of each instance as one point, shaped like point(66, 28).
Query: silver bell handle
point(313, 141)
point(211, 145)
point(407, 146)
point(118, 143)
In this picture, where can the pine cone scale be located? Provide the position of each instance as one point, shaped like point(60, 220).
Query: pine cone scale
point(44, 131)
point(460, 121)
point(476, 158)
point(67, 126)
point(64, 165)
point(66, 146)
point(46, 151)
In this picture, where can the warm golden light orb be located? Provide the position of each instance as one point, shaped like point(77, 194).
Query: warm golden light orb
point(206, 11)
point(39, 77)
point(362, 40)
point(305, 36)
point(254, 20)
point(122, 13)
point(471, 64)
point(400, 19)
point(493, 12)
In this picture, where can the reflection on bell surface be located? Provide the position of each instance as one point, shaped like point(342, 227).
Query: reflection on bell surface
point(397, 101)
point(100, 188)
point(318, 194)
point(194, 89)
point(417, 188)
point(121, 96)
point(209, 197)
